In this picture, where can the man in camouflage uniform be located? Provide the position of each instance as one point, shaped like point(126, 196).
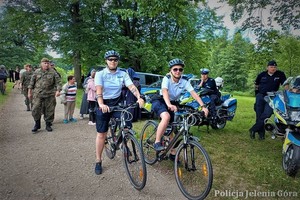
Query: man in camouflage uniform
point(44, 86)
point(25, 80)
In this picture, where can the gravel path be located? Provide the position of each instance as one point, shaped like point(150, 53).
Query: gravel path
point(60, 164)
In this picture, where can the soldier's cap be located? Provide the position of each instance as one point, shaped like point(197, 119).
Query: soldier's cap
point(272, 63)
point(45, 60)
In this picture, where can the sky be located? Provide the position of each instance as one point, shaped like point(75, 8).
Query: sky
point(226, 10)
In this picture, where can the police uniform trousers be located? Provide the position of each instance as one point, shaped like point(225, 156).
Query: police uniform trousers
point(263, 111)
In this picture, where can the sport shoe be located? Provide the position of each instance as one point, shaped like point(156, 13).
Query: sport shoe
point(65, 121)
point(91, 123)
point(158, 147)
point(98, 168)
point(81, 117)
point(73, 120)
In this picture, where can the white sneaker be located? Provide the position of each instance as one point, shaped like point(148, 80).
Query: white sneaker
point(91, 123)
point(81, 117)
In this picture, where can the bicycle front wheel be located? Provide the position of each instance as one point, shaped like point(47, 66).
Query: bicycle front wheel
point(110, 148)
point(193, 171)
point(134, 162)
point(147, 141)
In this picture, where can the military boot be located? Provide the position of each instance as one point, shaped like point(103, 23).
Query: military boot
point(37, 126)
point(48, 126)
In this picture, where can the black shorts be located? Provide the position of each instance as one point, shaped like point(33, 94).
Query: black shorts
point(159, 106)
point(102, 119)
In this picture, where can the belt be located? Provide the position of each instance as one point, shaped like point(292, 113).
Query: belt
point(111, 101)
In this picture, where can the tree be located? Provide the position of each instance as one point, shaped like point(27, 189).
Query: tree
point(232, 61)
point(288, 55)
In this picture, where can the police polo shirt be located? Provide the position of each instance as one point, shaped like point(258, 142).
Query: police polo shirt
point(176, 89)
point(112, 82)
point(269, 83)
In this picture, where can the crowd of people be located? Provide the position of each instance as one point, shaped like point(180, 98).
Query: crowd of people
point(114, 85)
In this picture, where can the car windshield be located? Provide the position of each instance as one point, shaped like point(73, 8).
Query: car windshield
point(156, 84)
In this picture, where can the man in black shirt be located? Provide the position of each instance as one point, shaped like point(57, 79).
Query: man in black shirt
point(267, 81)
point(214, 94)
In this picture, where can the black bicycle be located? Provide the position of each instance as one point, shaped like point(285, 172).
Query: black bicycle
point(192, 168)
point(133, 157)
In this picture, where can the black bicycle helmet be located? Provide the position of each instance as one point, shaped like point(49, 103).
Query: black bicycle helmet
point(111, 53)
point(176, 61)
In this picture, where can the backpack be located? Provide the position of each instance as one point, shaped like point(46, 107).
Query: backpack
point(3, 74)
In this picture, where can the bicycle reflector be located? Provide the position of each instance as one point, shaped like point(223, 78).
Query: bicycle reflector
point(204, 170)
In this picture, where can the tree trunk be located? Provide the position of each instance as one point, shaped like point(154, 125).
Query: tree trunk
point(77, 67)
point(76, 20)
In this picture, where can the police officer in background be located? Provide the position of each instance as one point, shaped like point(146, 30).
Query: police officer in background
point(214, 94)
point(25, 80)
point(109, 83)
point(44, 86)
point(267, 81)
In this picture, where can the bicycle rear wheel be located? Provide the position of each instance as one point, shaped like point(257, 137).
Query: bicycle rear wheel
point(194, 173)
point(134, 162)
point(148, 135)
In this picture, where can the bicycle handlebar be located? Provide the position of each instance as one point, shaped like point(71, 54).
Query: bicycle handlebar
point(192, 116)
point(122, 107)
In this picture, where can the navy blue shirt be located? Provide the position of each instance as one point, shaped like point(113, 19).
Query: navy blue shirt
point(210, 83)
point(269, 83)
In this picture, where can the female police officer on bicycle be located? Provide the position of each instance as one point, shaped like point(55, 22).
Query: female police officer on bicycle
point(109, 84)
point(172, 86)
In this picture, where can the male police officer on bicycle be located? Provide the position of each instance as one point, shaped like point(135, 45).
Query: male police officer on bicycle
point(109, 83)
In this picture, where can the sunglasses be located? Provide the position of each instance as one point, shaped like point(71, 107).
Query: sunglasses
point(112, 59)
point(178, 69)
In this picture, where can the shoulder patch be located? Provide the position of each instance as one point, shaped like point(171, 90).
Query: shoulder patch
point(168, 76)
point(185, 77)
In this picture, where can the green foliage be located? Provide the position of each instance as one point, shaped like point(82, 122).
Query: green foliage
point(232, 61)
point(288, 55)
point(146, 33)
point(3, 98)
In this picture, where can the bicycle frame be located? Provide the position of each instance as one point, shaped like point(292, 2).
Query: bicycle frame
point(122, 131)
point(133, 157)
point(183, 132)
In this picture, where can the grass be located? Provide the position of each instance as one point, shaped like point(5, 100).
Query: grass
point(4, 97)
point(239, 163)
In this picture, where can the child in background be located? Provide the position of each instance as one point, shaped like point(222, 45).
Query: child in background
point(91, 97)
point(68, 98)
